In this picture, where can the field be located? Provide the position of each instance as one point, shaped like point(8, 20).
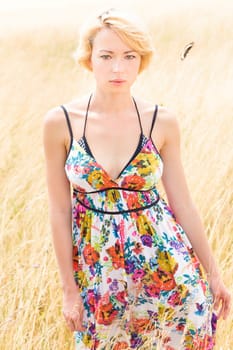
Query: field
point(38, 72)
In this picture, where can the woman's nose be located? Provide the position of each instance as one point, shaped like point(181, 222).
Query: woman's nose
point(117, 65)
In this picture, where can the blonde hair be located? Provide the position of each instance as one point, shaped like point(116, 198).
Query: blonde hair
point(126, 26)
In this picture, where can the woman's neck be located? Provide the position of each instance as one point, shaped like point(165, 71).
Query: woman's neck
point(112, 102)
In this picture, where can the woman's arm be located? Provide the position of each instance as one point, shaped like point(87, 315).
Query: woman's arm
point(185, 212)
point(60, 208)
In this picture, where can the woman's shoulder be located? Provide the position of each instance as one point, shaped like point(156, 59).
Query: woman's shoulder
point(73, 107)
point(165, 117)
point(55, 118)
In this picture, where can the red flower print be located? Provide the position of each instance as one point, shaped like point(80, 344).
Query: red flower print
point(180, 327)
point(116, 253)
point(75, 259)
point(121, 296)
point(105, 313)
point(133, 182)
point(91, 256)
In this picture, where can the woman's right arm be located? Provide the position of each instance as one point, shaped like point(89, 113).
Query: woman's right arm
point(60, 211)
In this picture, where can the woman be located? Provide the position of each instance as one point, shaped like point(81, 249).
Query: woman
point(132, 269)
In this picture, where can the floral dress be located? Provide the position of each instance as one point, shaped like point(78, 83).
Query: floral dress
point(141, 283)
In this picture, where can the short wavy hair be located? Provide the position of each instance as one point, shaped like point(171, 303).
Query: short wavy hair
point(127, 27)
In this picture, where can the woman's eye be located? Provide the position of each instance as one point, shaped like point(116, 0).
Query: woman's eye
point(106, 57)
point(130, 57)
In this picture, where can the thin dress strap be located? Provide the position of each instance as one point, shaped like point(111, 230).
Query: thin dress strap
point(88, 105)
point(139, 118)
point(69, 125)
point(85, 123)
point(153, 120)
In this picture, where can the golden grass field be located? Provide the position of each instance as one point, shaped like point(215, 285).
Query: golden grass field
point(37, 73)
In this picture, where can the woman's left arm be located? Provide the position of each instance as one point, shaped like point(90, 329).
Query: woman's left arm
point(185, 212)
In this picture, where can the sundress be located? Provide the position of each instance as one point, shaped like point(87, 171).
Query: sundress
point(141, 283)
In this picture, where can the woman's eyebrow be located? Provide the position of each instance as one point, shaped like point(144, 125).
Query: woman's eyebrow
point(109, 51)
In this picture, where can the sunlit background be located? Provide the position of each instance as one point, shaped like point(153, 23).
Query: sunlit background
point(38, 72)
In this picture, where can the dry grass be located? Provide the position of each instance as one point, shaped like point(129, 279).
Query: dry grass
point(37, 73)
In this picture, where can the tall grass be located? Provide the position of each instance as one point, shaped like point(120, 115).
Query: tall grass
point(37, 73)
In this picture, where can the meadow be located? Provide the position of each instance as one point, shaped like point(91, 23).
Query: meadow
point(38, 72)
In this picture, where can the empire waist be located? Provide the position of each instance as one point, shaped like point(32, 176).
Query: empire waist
point(116, 200)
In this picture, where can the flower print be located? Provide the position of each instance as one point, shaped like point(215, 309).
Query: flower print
point(180, 327)
point(214, 321)
point(129, 266)
point(91, 300)
point(146, 240)
point(145, 163)
point(165, 313)
point(121, 296)
point(165, 280)
point(116, 254)
point(75, 259)
point(138, 274)
point(99, 178)
point(167, 262)
point(87, 340)
point(206, 343)
point(82, 279)
point(138, 248)
point(152, 290)
point(174, 299)
point(114, 285)
point(91, 256)
point(85, 230)
point(121, 345)
point(200, 309)
point(132, 200)
point(141, 325)
point(133, 182)
point(105, 313)
point(144, 225)
point(113, 196)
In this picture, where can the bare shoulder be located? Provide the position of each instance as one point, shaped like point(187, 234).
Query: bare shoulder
point(166, 126)
point(55, 123)
point(167, 119)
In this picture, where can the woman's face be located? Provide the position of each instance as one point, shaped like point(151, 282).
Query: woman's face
point(114, 64)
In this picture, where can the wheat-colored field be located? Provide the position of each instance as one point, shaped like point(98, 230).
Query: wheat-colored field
point(37, 73)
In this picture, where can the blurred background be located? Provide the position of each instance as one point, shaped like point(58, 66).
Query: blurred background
point(38, 72)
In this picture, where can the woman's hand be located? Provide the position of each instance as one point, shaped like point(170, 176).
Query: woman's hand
point(73, 310)
point(222, 298)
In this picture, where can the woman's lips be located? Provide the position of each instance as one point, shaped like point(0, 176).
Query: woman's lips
point(117, 81)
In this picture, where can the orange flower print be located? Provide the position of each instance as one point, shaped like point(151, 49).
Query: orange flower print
point(99, 178)
point(164, 279)
point(121, 345)
point(132, 200)
point(105, 312)
point(141, 325)
point(133, 182)
point(116, 254)
point(91, 256)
